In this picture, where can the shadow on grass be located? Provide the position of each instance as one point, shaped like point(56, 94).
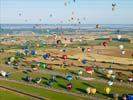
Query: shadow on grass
point(46, 83)
point(72, 72)
point(45, 78)
point(62, 86)
point(61, 77)
point(87, 84)
point(25, 72)
point(81, 90)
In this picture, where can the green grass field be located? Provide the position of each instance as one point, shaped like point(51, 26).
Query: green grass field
point(8, 95)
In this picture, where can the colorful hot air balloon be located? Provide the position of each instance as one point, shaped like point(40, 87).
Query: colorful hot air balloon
point(93, 91)
point(89, 70)
point(43, 65)
point(69, 77)
point(26, 52)
point(84, 61)
point(104, 44)
point(123, 52)
point(89, 49)
point(64, 57)
point(33, 52)
point(80, 72)
point(46, 56)
point(108, 75)
point(130, 79)
point(110, 39)
point(97, 26)
point(88, 90)
point(65, 4)
point(113, 6)
point(107, 90)
point(59, 42)
point(113, 76)
point(69, 86)
point(110, 83)
point(121, 47)
point(83, 49)
point(110, 71)
point(50, 82)
point(118, 37)
point(12, 59)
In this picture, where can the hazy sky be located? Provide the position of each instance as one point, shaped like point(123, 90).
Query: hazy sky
point(94, 11)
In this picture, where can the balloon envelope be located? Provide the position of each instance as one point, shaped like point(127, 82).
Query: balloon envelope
point(69, 86)
point(89, 70)
point(121, 47)
point(118, 37)
point(110, 83)
point(107, 90)
point(69, 77)
point(88, 90)
point(93, 91)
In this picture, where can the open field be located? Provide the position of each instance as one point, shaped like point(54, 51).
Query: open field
point(100, 56)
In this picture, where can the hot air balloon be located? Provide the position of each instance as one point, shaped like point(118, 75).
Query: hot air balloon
point(71, 39)
point(59, 42)
point(26, 52)
point(79, 59)
point(118, 37)
point(50, 15)
point(84, 61)
point(43, 65)
point(110, 83)
point(110, 39)
point(89, 70)
point(113, 76)
point(50, 82)
point(46, 56)
point(69, 77)
point(124, 97)
point(89, 49)
point(65, 4)
point(108, 75)
point(3, 73)
point(72, 18)
point(69, 86)
point(19, 14)
point(123, 52)
point(80, 72)
point(33, 52)
point(53, 78)
point(12, 59)
point(121, 47)
point(64, 57)
point(83, 49)
point(107, 90)
point(130, 97)
point(97, 26)
point(113, 6)
point(104, 44)
point(110, 71)
point(93, 91)
point(28, 78)
point(38, 80)
point(88, 90)
point(130, 79)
